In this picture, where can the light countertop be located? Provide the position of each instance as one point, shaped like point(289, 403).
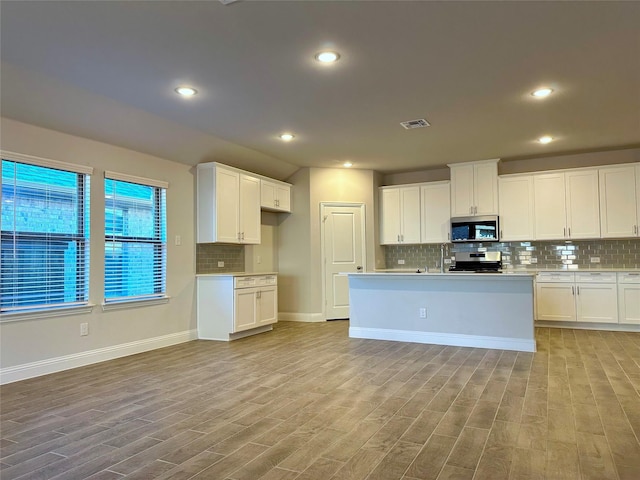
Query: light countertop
point(235, 274)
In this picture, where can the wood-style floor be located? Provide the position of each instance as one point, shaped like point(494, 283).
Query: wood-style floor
point(306, 402)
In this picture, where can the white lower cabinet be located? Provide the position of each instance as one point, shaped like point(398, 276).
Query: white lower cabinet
point(555, 297)
point(577, 297)
point(629, 297)
point(233, 306)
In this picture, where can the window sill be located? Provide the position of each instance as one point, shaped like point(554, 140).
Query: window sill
point(45, 313)
point(122, 304)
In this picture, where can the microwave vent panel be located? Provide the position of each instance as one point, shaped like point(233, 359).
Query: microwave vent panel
point(411, 124)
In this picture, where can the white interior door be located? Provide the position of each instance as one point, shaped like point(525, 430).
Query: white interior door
point(344, 251)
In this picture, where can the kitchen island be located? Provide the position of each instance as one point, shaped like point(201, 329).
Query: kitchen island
point(492, 310)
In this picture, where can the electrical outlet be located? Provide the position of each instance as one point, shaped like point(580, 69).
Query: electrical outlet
point(220, 264)
point(84, 329)
point(178, 241)
point(258, 259)
point(534, 259)
point(423, 312)
point(447, 261)
point(595, 259)
point(400, 262)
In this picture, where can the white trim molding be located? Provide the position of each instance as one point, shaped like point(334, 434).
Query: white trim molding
point(300, 317)
point(454, 339)
point(66, 362)
point(46, 162)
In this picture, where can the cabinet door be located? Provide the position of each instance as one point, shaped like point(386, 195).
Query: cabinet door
point(227, 206)
point(462, 186)
point(550, 207)
point(436, 213)
point(283, 198)
point(485, 189)
point(629, 302)
point(267, 306)
point(597, 302)
point(267, 194)
point(244, 315)
point(389, 216)
point(249, 209)
point(583, 206)
point(556, 301)
point(410, 214)
point(516, 208)
point(618, 202)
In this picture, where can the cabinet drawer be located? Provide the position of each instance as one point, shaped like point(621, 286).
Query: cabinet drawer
point(596, 277)
point(255, 281)
point(245, 282)
point(555, 277)
point(629, 277)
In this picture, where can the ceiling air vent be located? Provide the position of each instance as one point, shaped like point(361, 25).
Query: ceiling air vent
point(415, 124)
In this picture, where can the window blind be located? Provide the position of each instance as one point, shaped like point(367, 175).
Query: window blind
point(135, 239)
point(44, 246)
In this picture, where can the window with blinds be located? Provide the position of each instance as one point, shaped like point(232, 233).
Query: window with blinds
point(135, 238)
point(44, 247)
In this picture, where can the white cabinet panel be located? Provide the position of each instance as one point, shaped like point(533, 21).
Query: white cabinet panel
point(619, 201)
point(436, 212)
point(597, 302)
point(275, 196)
point(550, 207)
point(230, 306)
point(556, 301)
point(516, 207)
point(474, 188)
point(629, 297)
point(583, 206)
point(566, 205)
point(249, 216)
point(228, 205)
point(400, 215)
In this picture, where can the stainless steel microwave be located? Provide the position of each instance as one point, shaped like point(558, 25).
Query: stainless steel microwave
point(482, 228)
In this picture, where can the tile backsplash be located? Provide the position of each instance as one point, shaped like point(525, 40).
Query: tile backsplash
point(209, 254)
point(550, 254)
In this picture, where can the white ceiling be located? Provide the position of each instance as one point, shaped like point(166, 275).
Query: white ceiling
point(107, 70)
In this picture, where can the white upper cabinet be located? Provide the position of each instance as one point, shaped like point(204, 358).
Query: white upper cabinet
point(400, 215)
point(474, 188)
point(566, 205)
point(275, 196)
point(516, 210)
point(228, 205)
point(436, 212)
point(620, 201)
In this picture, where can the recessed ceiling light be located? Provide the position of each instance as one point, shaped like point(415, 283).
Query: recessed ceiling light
point(287, 137)
point(186, 91)
point(545, 139)
point(327, 57)
point(542, 92)
point(347, 164)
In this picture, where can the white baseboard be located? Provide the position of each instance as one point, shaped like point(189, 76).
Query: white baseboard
point(66, 362)
point(612, 327)
point(300, 317)
point(454, 339)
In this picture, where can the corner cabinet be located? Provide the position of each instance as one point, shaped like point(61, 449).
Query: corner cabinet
point(228, 205)
point(620, 201)
point(234, 306)
point(275, 196)
point(400, 215)
point(474, 188)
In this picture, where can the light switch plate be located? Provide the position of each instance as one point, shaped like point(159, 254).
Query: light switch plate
point(594, 259)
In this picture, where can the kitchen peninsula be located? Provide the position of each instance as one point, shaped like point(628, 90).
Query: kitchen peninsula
point(491, 310)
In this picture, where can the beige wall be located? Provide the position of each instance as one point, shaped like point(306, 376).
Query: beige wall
point(264, 257)
point(505, 167)
point(36, 340)
point(300, 278)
